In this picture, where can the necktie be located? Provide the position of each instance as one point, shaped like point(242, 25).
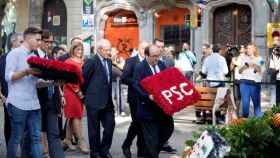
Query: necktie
point(50, 91)
point(154, 69)
point(106, 69)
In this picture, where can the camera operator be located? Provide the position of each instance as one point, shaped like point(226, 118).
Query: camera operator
point(274, 67)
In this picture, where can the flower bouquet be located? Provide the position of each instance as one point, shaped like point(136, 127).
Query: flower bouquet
point(56, 70)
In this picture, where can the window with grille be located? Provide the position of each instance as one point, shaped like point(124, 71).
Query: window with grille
point(175, 35)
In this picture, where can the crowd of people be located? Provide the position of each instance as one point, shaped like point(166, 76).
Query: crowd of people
point(34, 108)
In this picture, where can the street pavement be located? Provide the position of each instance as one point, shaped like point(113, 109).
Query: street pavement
point(183, 130)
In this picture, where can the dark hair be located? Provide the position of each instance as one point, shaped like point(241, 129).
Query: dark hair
point(46, 34)
point(216, 48)
point(147, 51)
point(56, 49)
point(157, 39)
point(31, 31)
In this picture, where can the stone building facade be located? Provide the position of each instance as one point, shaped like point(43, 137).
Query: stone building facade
point(149, 15)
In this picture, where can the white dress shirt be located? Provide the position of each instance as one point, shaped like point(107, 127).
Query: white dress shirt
point(215, 67)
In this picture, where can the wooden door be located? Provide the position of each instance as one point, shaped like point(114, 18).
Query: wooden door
point(122, 31)
point(55, 19)
point(232, 25)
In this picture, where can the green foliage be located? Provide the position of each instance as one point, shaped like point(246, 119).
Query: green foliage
point(255, 138)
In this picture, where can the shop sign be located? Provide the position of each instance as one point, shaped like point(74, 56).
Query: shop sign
point(88, 13)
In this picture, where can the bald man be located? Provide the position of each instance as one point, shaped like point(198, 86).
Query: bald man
point(157, 127)
point(97, 88)
point(134, 128)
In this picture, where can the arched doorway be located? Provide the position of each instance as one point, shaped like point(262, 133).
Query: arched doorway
point(172, 27)
point(121, 29)
point(232, 25)
point(55, 19)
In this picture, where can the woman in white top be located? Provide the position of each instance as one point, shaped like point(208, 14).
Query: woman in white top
point(234, 67)
point(251, 68)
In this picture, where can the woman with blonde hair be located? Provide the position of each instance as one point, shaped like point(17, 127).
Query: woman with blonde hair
point(73, 109)
point(251, 69)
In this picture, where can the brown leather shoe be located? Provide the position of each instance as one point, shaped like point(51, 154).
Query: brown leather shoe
point(83, 146)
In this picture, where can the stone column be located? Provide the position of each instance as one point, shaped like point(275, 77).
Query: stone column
point(146, 24)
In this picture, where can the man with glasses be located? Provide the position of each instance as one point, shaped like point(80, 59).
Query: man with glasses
point(50, 101)
point(159, 43)
point(97, 88)
point(157, 127)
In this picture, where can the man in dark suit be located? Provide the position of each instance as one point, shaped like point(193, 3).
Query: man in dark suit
point(97, 72)
point(154, 122)
point(169, 63)
point(134, 128)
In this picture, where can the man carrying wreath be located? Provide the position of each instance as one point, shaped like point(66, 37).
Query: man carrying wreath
point(155, 124)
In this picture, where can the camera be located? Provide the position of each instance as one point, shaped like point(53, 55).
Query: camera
point(276, 50)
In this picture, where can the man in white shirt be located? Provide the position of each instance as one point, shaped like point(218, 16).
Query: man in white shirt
point(215, 68)
point(22, 101)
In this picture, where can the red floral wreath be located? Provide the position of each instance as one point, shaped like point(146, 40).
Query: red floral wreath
point(56, 70)
point(171, 81)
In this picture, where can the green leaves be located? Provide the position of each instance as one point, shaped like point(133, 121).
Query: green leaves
point(256, 137)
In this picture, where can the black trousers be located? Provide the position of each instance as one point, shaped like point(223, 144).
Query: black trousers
point(278, 92)
point(156, 133)
point(134, 130)
point(7, 126)
point(106, 117)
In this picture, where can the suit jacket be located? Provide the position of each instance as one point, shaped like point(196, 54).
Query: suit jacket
point(146, 108)
point(127, 78)
point(53, 103)
point(4, 85)
point(96, 88)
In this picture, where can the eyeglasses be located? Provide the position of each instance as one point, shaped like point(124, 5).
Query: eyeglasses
point(48, 41)
point(107, 50)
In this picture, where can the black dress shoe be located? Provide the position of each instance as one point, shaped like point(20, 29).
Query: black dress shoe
point(108, 155)
point(95, 155)
point(167, 148)
point(126, 152)
point(142, 155)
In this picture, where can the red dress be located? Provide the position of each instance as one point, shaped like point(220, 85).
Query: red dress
point(73, 107)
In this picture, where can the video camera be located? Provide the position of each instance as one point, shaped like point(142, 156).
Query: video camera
point(276, 50)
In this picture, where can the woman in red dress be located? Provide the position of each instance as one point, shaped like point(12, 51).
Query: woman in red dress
point(73, 109)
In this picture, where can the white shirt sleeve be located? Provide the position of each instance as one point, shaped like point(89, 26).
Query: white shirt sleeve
point(224, 65)
point(204, 66)
point(11, 64)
